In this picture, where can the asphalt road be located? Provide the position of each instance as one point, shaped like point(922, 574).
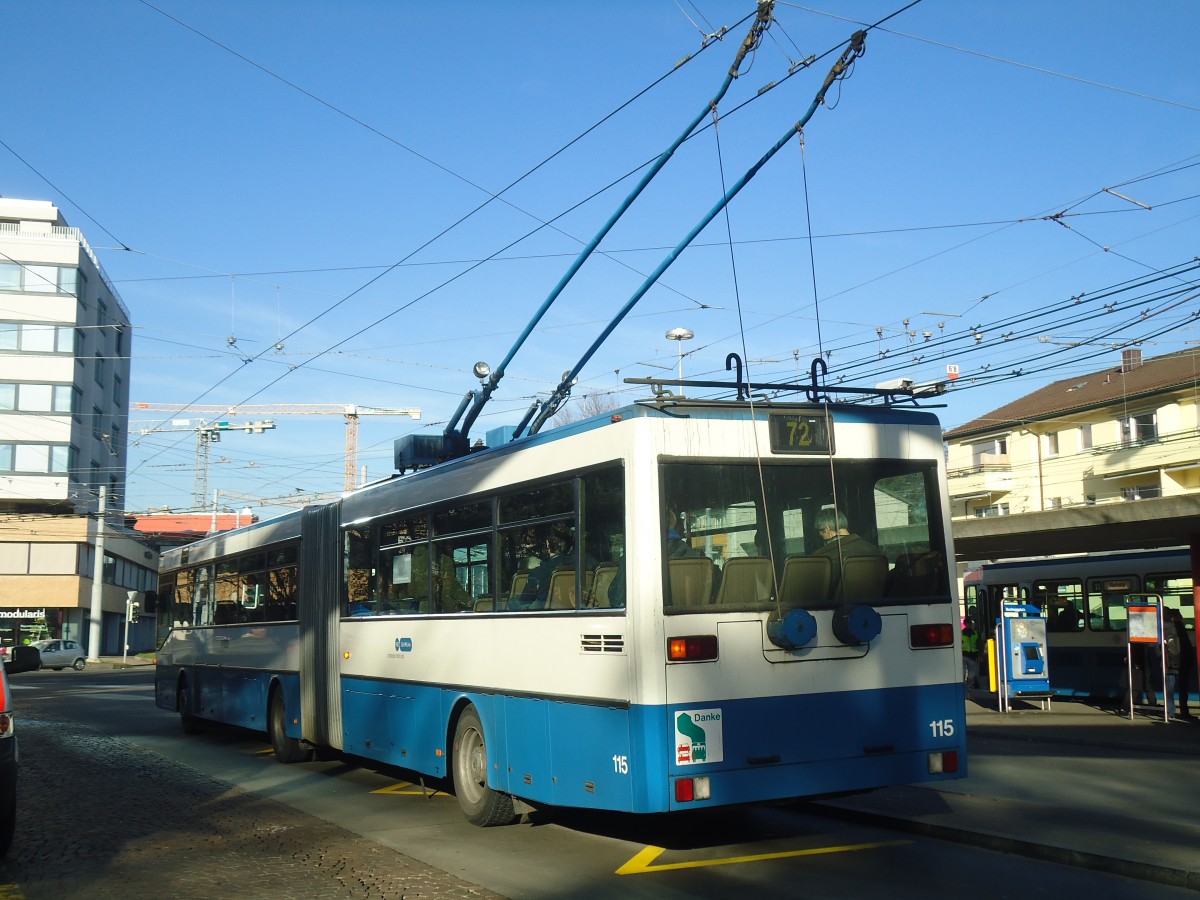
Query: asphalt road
point(115, 801)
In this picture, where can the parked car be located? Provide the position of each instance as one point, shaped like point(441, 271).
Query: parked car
point(21, 658)
point(8, 767)
point(57, 655)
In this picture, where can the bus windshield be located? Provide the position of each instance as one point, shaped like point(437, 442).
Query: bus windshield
point(750, 523)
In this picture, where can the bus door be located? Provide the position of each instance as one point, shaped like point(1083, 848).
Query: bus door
point(1108, 624)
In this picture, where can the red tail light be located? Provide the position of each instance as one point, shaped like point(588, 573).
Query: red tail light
point(936, 635)
point(693, 648)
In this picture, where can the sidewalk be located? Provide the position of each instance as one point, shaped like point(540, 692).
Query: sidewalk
point(1143, 823)
point(129, 662)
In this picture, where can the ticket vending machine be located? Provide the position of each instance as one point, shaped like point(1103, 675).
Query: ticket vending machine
point(1021, 650)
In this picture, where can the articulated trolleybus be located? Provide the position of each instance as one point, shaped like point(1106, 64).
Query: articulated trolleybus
point(626, 613)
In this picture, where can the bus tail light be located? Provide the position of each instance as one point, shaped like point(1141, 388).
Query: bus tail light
point(934, 635)
point(693, 648)
point(689, 789)
point(943, 762)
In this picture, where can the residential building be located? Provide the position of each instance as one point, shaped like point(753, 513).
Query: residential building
point(64, 413)
point(1121, 434)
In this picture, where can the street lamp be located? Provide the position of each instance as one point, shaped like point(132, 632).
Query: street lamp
point(680, 335)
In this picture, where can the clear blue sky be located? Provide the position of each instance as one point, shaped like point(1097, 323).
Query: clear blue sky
point(266, 162)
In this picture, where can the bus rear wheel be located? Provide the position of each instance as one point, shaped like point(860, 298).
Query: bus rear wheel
point(188, 722)
point(480, 804)
point(287, 749)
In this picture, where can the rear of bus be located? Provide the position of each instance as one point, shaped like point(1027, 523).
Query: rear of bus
point(798, 662)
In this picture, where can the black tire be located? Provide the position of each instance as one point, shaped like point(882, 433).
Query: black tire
point(8, 810)
point(187, 721)
point(78, 665)
point(480, 804)
point(287, 749)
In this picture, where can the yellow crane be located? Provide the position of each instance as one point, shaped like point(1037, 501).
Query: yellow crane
point(350, 411)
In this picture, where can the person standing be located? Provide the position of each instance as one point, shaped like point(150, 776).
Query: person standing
point(1181, 661)
point(970, 654)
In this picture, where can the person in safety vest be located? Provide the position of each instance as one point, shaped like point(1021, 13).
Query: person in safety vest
point(970, 654)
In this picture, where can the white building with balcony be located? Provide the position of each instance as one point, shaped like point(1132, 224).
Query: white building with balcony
point(1124, 433)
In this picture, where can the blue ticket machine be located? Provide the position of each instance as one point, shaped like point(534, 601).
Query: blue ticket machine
point(1021, 648)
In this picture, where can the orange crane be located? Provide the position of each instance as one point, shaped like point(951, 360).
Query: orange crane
point(351, 411)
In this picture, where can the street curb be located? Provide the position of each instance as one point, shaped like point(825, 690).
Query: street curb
point(1004, 843)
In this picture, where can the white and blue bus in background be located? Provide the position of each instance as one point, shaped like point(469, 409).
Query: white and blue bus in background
point(626, 613)
point(1083, 598)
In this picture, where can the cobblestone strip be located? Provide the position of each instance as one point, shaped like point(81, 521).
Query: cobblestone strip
point(99, 818)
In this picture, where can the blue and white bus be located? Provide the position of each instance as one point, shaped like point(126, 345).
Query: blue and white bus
point(1083, 598)
point(626, 613)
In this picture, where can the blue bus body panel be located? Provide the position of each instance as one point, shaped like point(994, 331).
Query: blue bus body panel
point(577, 754)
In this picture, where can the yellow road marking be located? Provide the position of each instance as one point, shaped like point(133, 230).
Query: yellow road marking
point(401, 787)
point(11, 892)
point(643, 862)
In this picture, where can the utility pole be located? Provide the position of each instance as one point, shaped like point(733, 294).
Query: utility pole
point(207, 434)
point(97, 609)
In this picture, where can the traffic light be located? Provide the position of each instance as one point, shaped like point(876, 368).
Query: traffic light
point(135, 612)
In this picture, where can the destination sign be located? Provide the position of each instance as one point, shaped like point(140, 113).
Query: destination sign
point(801, 433)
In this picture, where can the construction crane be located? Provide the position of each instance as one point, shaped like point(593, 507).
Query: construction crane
point(350, 411)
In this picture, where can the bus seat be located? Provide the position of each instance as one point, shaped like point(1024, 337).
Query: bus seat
point(863, 577)
point(691, 580)
point(917, 575)
point(602, 579)
point(561, 594)
point(518, 584)
point(484, 604)
point(746, 579)
point(805, 582)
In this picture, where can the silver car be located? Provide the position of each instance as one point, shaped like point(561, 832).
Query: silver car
point(57, 655)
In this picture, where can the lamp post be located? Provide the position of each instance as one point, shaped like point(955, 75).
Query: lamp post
point(680, 335)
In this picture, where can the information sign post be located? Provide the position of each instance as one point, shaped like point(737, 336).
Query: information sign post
point(1145, 612)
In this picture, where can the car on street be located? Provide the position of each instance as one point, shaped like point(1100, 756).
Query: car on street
point(8, 767)
point(20, 658)
point(57, 655)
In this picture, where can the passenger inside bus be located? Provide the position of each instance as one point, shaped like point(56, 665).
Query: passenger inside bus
point(559, 553)
point(857, 563)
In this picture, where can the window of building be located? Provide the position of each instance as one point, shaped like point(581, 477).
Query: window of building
point(1085, 437)
point(1139, 429)
point(996, 509)
point(41, 279)
point(98, 369)
point(28, 337)
point(1051, 441)
point(37, 338)
point(993, 447)
point(35, 459)
point(1141, 492)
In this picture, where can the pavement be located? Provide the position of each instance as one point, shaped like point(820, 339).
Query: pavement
point(1142, 823)
point(1075, 783)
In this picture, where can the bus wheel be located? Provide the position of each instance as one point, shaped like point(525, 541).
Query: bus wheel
point(481, 805)
point(188, 722)
point(287, 749)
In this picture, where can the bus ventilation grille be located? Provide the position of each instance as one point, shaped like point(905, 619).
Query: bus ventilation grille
point(602, 643)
